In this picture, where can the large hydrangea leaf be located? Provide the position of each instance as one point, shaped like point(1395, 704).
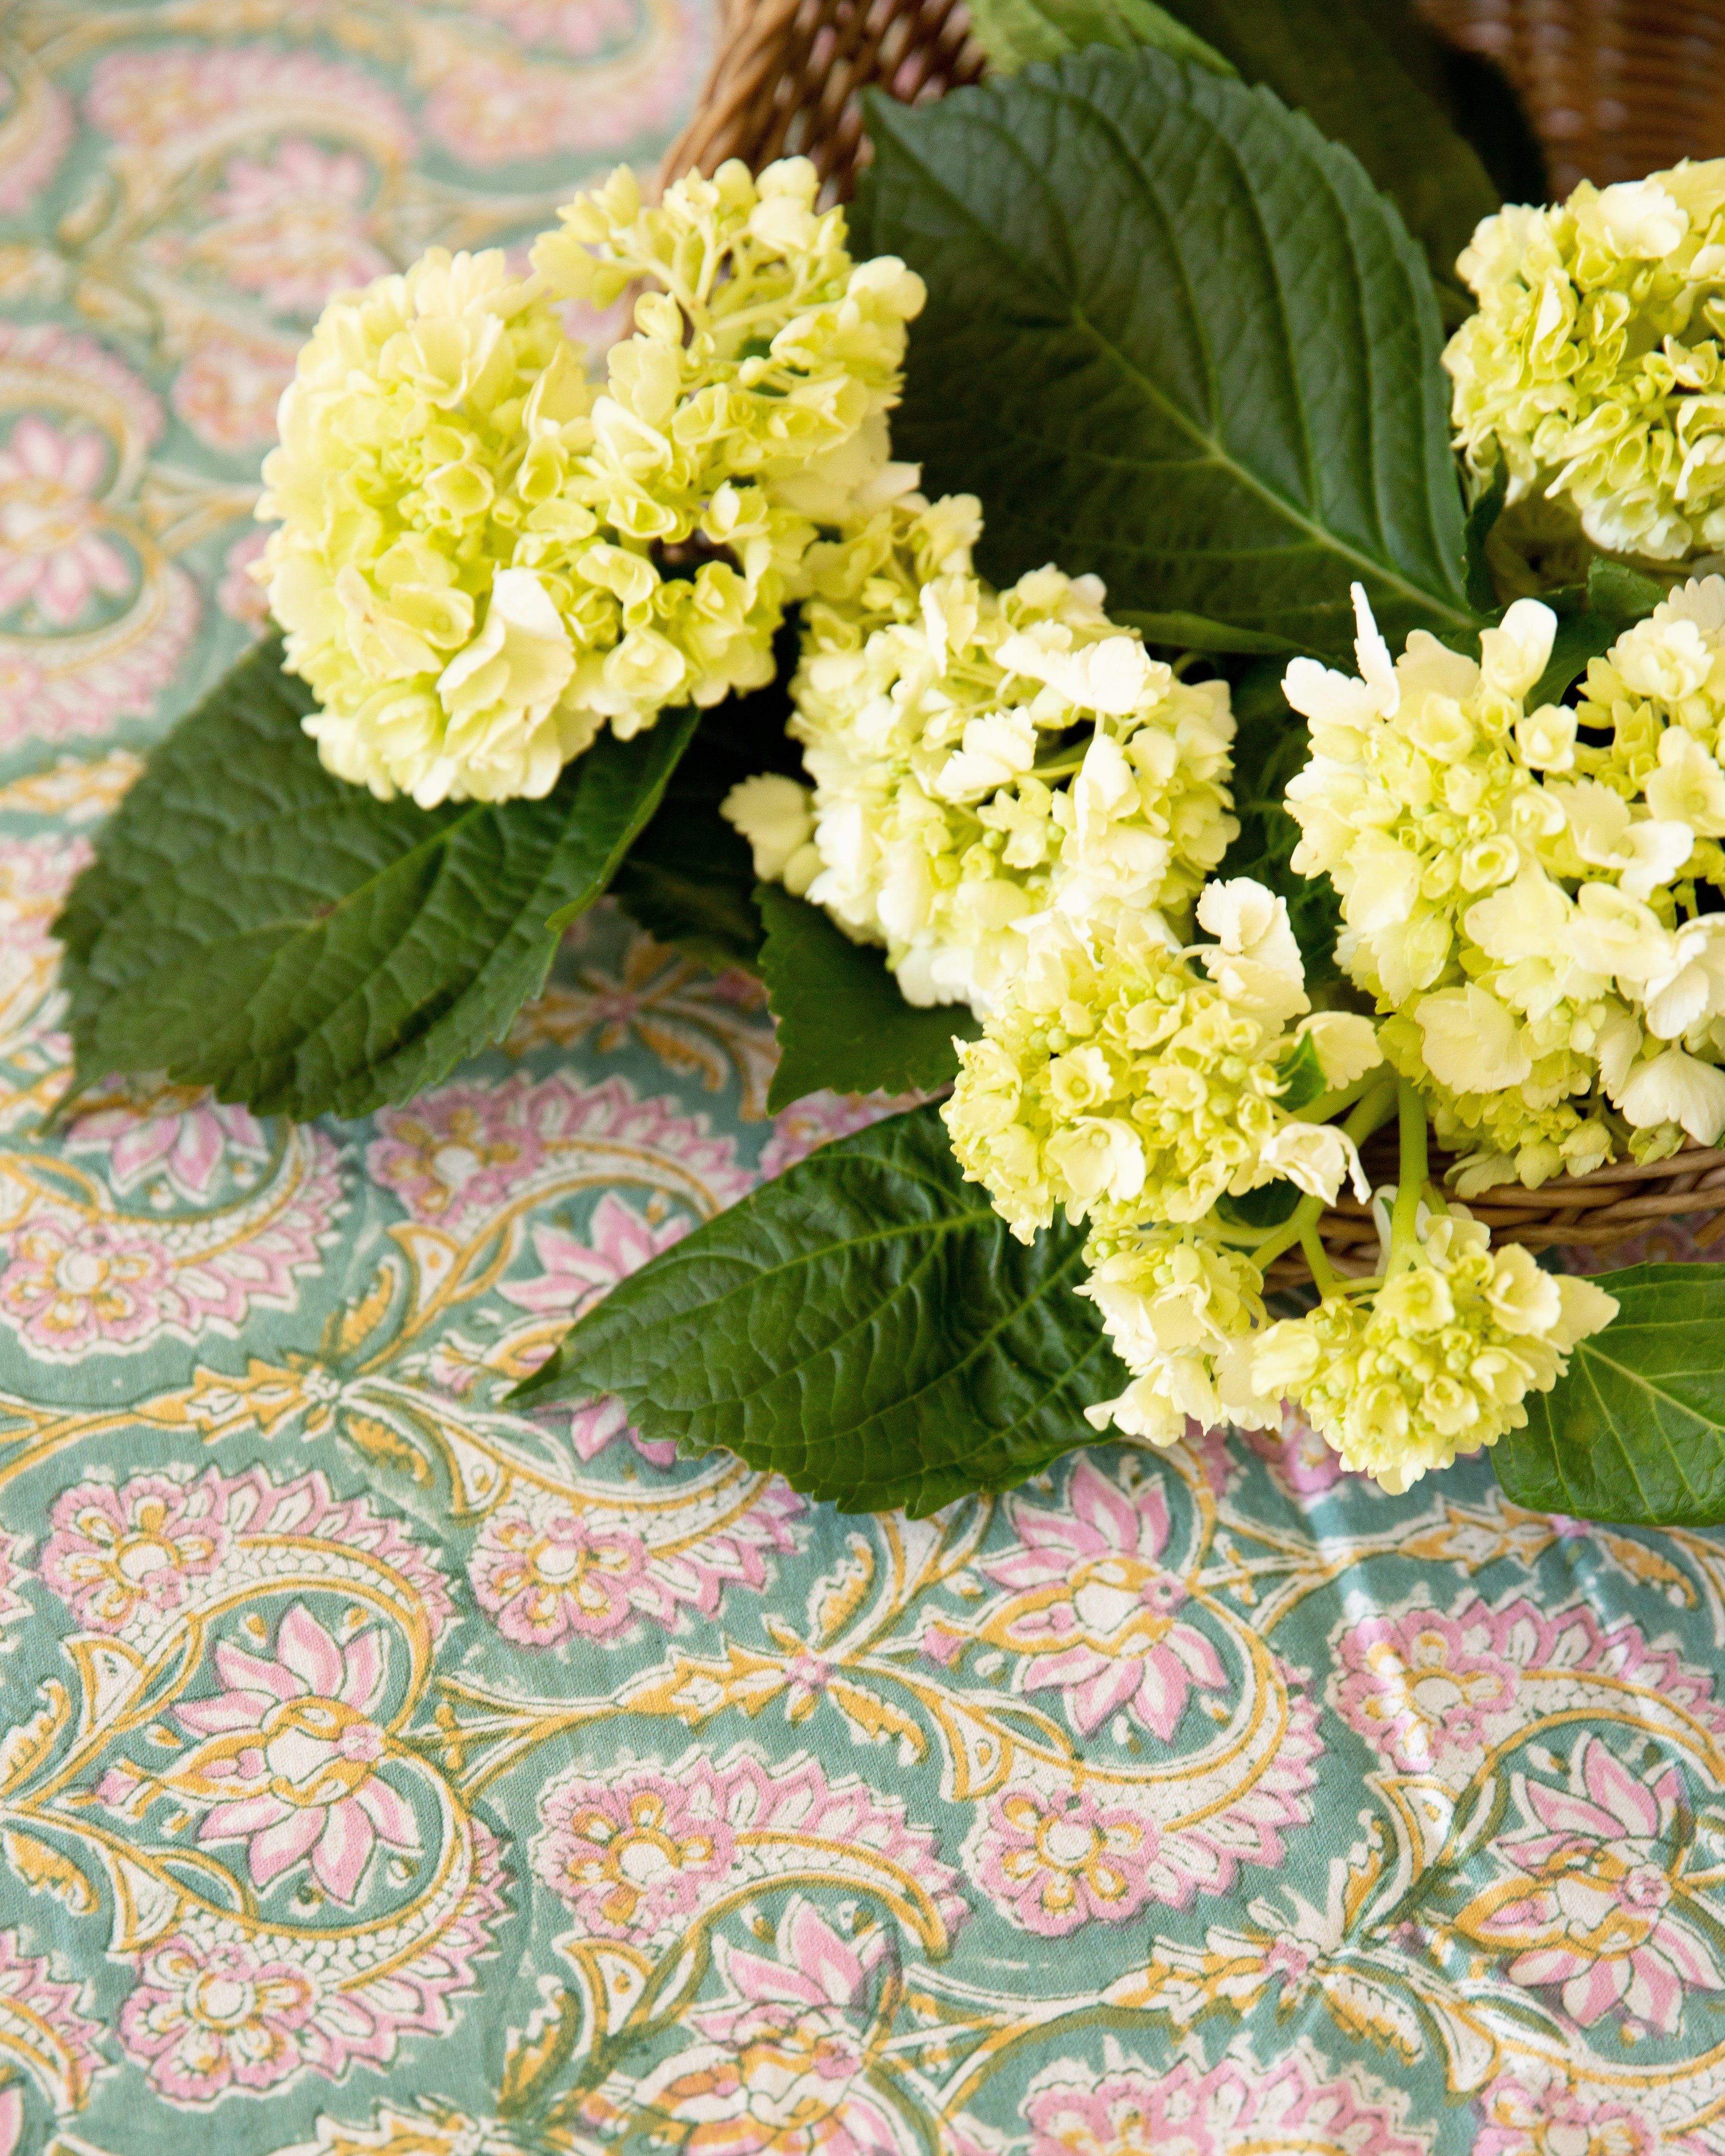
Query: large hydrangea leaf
point(863, 1325)
point(1176, 337)
point(252, 923)
point(1636, 1431)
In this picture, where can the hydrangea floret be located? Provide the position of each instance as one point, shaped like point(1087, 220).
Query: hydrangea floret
point(1525, 891)
point(482, 558)
point(978, 758)
point(1591, 373)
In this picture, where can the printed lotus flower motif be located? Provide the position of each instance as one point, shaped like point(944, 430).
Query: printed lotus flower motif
point(1599, 1902)
point(1095, 1612)
point(113, 1552)
point(1053, 1863)
point(209, 2017)
point(548, 1570)
point(1534, 2110)
point(456, 1153)
point(782, 2066)
point(289, 1763)
point(291, 227)
point(52, 555)
point(240, 595)
point(182, 1135)
point(1302, 1464)
point(229, 389)
point(574, 1274)
point(1237, 2108)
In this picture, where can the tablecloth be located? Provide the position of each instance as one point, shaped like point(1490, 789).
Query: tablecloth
point(384, 1770)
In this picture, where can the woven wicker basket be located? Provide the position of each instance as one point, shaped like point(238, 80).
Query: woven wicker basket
point(1615, 88)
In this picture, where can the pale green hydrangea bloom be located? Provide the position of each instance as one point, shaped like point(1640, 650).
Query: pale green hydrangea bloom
point(1593, 367)
point(1127, 1082)
point(1441, 1359)
point(1179, 1309)
point(1514, 900)
point(483, 558)
point(978, 757)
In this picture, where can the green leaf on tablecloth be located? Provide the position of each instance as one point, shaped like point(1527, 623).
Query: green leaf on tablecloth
point(252, 923)
point(865, 1326)
point(1635, 1432)
point(1482, 586)
point(1014, 33)
point(842, 1020)
point(1334, 62)
point(1175, 337)
point(689, 879)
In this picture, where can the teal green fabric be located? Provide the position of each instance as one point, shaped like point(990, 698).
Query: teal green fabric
point(385, 1770)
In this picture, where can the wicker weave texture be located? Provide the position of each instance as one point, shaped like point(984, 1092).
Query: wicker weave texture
point(1615, 88)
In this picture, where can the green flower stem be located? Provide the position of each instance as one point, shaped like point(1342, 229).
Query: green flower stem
point(1328, 1106)
point(1404, 1236)
point(1377, 1107)
point(1324, 1277)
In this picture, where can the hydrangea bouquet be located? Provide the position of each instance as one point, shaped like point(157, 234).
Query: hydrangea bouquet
point(1076, 628)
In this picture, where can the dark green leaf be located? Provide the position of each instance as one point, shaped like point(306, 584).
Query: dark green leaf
point(1635, 1432)
point(842, 1020)
point(864, 1325)
point(1266, 1207)
point(1193, 632)
point(1482, 586)
point(251, 923)
point(1615, 588)
point(1012, 32)
point(1270, 745)
point(689, 879)
point(1330, 61)
point(1303, 1078)
point(1175, 337)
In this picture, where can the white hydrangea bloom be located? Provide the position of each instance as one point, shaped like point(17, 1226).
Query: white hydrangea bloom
point(1592, 370)
point(1522, 901)
point(960, 790)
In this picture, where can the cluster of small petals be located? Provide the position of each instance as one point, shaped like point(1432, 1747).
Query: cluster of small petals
point(1592, 369)
point(483, 558)
point(1128, 1082)
point(1521, 899)
point(1179, 1309)
point(1438, 1360)
point(978, 757)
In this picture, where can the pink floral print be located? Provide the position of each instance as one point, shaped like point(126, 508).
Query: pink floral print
point(239, 594)
point(29, 1988)
point(291, 1757)
point(177, 93)
point(182, 1135)
point(549, 1568)
point(1095, 1612)
point(819, 1118)
point(1597, 1901)
point(114, 1551)
point(1236, 2109)
point(573, 1275)
point(1053, 1862)
point(53, 557)
point(1434, 1692)
point(1534, 2110)
point(78, 1282)
point(211, 2017)
point(228, 391)
point(289, 227)
point(783, 2067)
point(39, 127)
point(462, 1153)
point(639, 1851)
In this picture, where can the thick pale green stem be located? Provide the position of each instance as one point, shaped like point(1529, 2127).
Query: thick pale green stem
point(1377, 1107)
point(1403, 1220)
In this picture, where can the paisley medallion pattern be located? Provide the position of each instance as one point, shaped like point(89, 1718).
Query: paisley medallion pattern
point(387, 1772)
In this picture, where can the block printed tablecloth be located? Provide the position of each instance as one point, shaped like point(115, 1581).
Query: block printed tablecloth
point(384, 1771)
